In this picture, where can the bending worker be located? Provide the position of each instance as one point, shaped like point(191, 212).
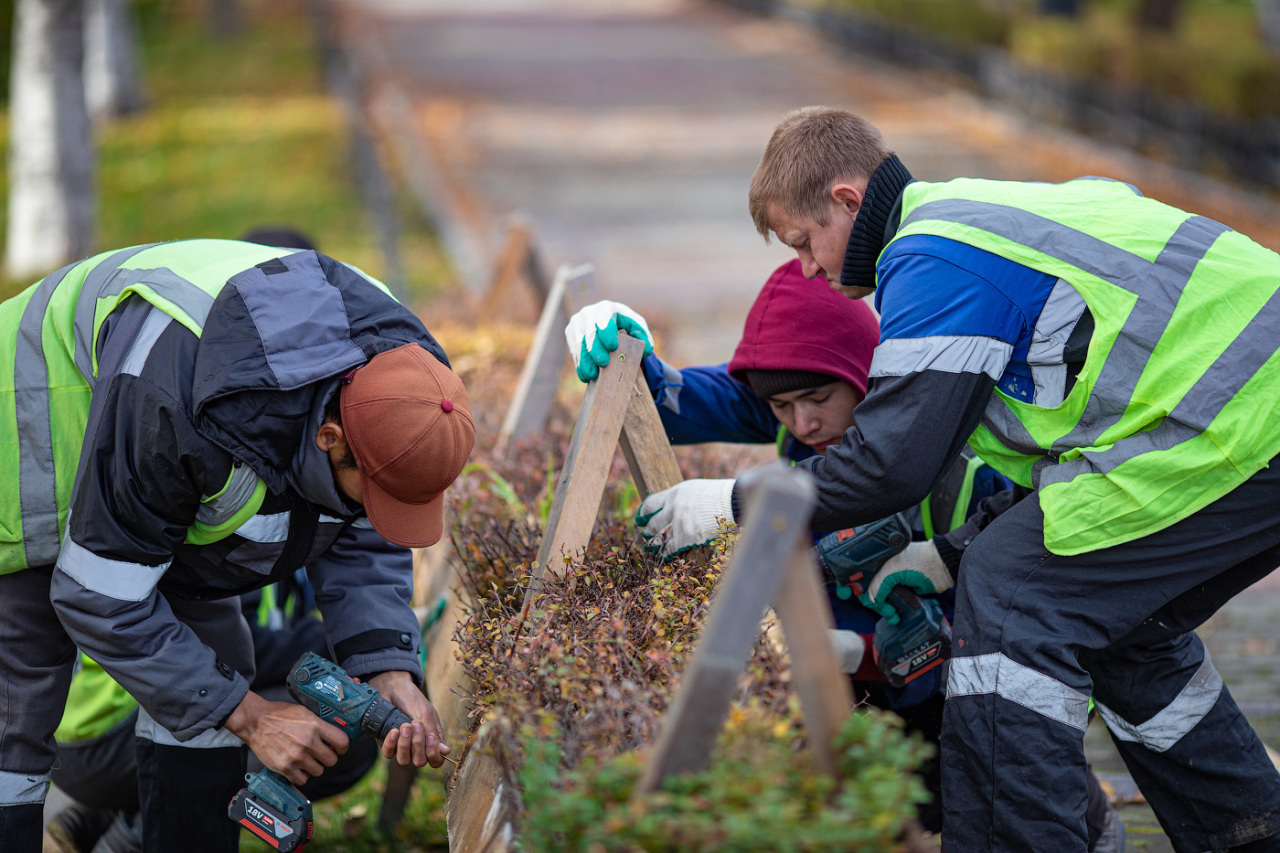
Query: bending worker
point(798, 384)
point(1118, 357)
point(181, 423)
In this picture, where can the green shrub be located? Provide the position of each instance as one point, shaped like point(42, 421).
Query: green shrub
point(759, 794)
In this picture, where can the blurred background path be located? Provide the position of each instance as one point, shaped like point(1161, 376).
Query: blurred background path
point(627, 133)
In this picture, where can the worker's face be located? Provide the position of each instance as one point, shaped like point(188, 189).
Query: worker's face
point(817, 416)
point(346, 474)
point(821, 247)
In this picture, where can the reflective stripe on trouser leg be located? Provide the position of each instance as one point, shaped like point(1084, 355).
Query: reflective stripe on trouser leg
point(1162, 728)
point(1013, 767)
point(36, 658)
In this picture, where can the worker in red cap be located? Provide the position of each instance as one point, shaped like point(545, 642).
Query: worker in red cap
point(181, 423)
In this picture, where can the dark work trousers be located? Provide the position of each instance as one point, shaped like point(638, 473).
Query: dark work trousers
point(1037, 634)
point(36, 658)
point(184, 788)
point(102, 772)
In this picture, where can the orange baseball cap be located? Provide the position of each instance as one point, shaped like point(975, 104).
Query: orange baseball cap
point(408, 422)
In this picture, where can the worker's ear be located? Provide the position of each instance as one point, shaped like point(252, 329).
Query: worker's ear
point(330, 436)
point(848, 198)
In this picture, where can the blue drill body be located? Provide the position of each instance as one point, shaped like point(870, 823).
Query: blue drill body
point(922, 638)
point(269, 806)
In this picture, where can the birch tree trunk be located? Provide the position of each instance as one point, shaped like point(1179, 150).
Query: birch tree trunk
point(112, 85)
point(50, 150)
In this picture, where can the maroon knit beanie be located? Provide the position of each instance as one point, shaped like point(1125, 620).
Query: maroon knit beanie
point(802, 325)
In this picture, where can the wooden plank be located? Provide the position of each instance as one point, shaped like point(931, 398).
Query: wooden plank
point(586, 467)
point(779, 503)
point(644, 443)
point(825, 694)
point(513, 262)
point(445, 683)
point(543, 366)
point(484, 804)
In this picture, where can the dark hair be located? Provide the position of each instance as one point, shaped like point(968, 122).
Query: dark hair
point(333, 412)
point(273, 235)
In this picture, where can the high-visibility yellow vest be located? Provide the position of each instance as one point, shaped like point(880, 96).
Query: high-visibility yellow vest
point(1178, 400)
point(48, 367)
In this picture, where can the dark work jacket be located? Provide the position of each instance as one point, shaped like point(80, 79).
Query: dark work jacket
point(172, 415)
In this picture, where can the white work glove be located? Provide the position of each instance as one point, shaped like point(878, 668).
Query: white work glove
point(850, 649)
point(685, 516)
point(918, 566)
point(592, 334)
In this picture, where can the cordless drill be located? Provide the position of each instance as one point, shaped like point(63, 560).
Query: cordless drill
point(269, 806)
point(922, 638)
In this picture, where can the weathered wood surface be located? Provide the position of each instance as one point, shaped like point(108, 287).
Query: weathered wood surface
point(778, 507)
point(644, 444)
point(512, 264)
point(586, 467)
point(485, 804)
point(544, 365)
point(825, 695)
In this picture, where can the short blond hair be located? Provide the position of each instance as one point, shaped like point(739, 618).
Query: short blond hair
point(811, 149)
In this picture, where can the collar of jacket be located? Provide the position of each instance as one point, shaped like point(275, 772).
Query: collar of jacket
point(875, 224)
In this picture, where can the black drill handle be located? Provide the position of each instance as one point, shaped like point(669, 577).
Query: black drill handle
point(904, 599)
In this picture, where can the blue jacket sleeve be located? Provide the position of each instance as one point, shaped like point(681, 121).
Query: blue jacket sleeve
point(700, 404)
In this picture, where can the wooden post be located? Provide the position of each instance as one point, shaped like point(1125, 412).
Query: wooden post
point(777, 515)
point(516, 259)
point(586, 466)
point(573, 288)
point(771, 561)
point(485, 805)
point(825, 695)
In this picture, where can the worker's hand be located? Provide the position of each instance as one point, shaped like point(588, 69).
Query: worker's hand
point(850, 649)
point(918, 566)
point(286, 737)
point(592, 334)
point(685, 516)
point(417, 743)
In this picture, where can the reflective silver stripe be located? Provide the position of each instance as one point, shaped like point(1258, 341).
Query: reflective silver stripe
point(944, 353)
point(265, 528)
point(1008, 679)
point(1158, 285)
point(329, 519)
point(1058, 317)
point(148, 729)
point(21, 789)
point(362, 523)
point(1224, 379)
point(87, 304)
point(999, 418)
point(157, 321)
point(1171, 724)
point(112, 578)
point(1116, 382)
point(37, 486)
point(240, 487)
point(1096, 257)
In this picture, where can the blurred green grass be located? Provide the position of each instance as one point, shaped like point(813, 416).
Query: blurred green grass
point(238, 132)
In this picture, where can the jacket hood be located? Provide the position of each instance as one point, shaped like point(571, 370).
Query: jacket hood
point(798, 324)
point(275, 333)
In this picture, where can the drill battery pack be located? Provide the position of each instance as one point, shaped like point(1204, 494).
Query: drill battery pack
point(261, 808)
point(919, 642)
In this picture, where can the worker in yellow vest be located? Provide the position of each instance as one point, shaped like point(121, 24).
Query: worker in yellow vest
point(1117, 357)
